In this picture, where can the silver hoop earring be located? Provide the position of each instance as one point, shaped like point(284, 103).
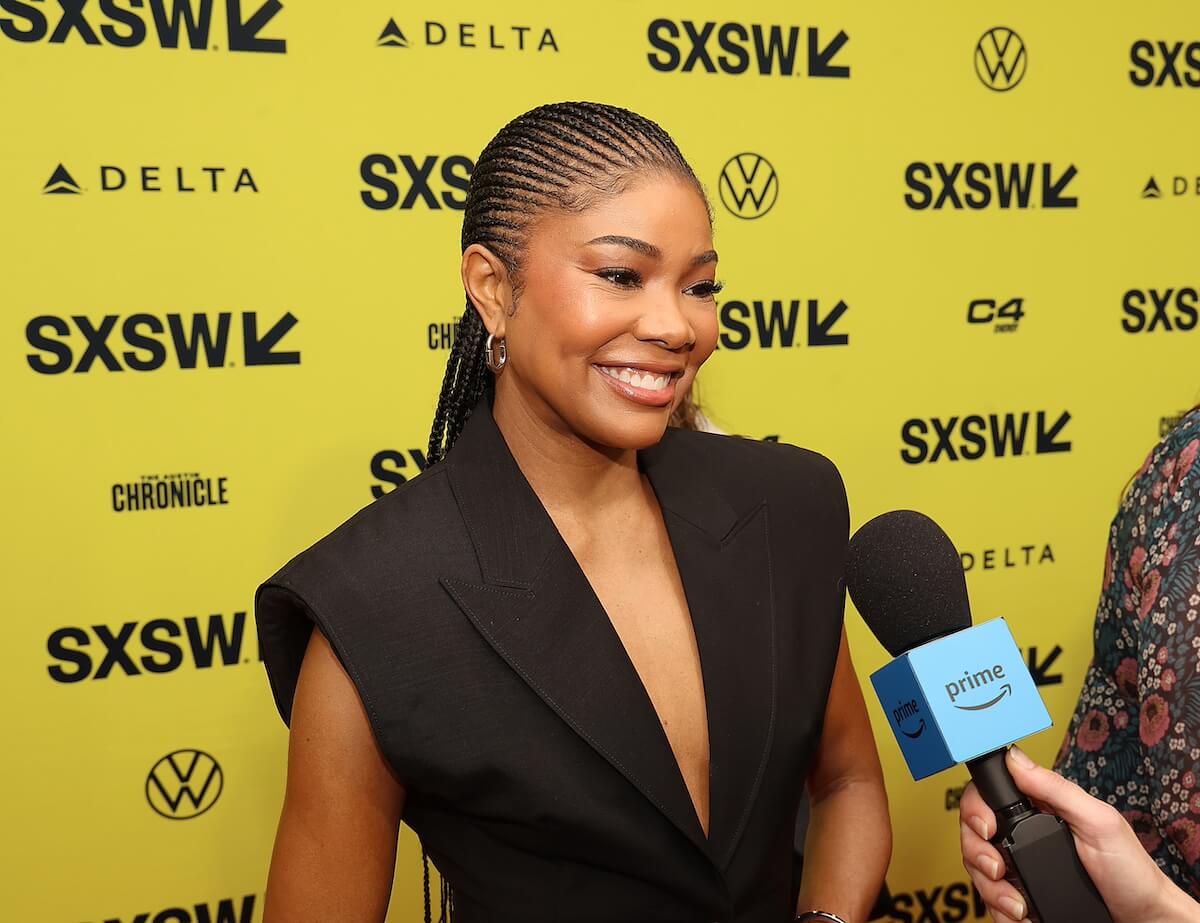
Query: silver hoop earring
point(489, 358)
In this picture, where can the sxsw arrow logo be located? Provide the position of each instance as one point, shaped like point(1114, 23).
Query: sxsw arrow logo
point(818, 61)
point(243, 35)
point(1052, 192)
point(819, 331)
point(260, 350)
point(1046, 438)
point(1040, 670)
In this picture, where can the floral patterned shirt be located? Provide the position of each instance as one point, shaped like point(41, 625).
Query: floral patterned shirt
point(1134, 739)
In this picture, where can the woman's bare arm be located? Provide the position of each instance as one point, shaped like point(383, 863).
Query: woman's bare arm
point(849, 839)
point(335, 849)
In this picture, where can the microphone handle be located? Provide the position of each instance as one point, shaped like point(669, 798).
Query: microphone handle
point(1039, 850)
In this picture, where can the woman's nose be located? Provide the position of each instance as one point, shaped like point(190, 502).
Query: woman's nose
point(664, 321)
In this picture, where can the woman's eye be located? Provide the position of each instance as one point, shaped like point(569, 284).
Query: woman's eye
point(625, 278)
point(705, 289)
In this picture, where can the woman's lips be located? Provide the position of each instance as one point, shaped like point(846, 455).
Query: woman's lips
point(642, 386)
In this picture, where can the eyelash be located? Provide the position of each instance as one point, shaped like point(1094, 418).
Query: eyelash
point(634, 279)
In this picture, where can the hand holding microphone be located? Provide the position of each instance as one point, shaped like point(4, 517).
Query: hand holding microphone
point(1133, 887)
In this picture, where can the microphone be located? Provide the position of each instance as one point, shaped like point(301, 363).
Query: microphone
point(957, 693)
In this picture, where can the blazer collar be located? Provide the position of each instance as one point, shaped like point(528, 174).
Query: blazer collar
point(537, 610)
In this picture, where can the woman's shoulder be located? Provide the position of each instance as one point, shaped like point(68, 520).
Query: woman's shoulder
point(778, 472)
point(1171, 464)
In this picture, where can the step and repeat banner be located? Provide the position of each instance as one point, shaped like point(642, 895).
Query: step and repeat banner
point(959, 255)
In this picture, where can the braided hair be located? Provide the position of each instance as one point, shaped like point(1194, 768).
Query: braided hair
point(563, 156)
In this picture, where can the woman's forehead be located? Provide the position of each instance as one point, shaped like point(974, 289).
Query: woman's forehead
point(664, 212)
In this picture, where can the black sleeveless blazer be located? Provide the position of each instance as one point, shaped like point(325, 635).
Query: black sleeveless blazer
point(539, 778)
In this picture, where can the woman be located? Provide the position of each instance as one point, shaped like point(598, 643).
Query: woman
point(1134, 740)
point(591, 660)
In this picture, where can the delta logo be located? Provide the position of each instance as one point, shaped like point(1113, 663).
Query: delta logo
point(495, 37)
point(166, 24)
point(154, 178)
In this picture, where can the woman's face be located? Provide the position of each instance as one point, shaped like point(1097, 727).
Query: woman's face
point(616, 314)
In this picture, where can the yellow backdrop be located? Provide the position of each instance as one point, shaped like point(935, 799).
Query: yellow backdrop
point(959, 250)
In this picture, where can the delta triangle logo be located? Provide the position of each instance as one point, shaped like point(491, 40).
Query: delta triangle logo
point(1151, 190)
point(391, 36)
point(61, 183)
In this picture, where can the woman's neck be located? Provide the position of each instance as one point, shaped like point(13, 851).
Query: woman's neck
point(571, 477)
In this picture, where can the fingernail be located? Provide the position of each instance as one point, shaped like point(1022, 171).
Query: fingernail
point(1013, 907)
point(988, 866)
point(1021, 758)
point(979, 825)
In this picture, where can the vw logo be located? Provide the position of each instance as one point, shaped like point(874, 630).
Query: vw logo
point(184, 784)
point(748, 185)
point(1000, 59)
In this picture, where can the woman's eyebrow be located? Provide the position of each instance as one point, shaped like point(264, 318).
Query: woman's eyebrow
point(641, 246)
point(648, 249)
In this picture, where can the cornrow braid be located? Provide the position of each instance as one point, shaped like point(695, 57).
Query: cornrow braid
point(559, 156)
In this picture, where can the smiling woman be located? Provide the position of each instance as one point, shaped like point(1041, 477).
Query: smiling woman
point(593, 660)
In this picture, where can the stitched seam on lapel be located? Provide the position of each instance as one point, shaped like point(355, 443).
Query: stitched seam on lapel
point(448, 584)
point(762, 766)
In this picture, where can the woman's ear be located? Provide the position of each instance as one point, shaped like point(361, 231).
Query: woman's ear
point(486, 280)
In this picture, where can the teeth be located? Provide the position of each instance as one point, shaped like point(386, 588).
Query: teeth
point(639, 378)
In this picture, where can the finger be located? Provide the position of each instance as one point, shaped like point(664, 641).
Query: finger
point(975, 812)
point(1062, 796)
point(1002, 899)
point(980, 853)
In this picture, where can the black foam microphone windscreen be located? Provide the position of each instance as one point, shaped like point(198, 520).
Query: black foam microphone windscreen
point(906, 579)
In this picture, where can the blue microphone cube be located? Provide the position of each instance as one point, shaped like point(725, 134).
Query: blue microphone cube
point(959, 697)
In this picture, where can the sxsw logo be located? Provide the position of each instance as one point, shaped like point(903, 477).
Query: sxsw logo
point(158, 646)
point(1168, 309)
point(975, 436)
point(392, 467)
point(410, 181)
point(737, 48)
point(777, 323)
point(164, 23)
point(224, 910)
point(949, 903)
point(1011, 185)
point(184, 784)
point(199, 340)
point(148, 178)
point(1157, 64)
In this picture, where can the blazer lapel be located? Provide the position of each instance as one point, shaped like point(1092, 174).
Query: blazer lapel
point(724, 563)
point(537, 610)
